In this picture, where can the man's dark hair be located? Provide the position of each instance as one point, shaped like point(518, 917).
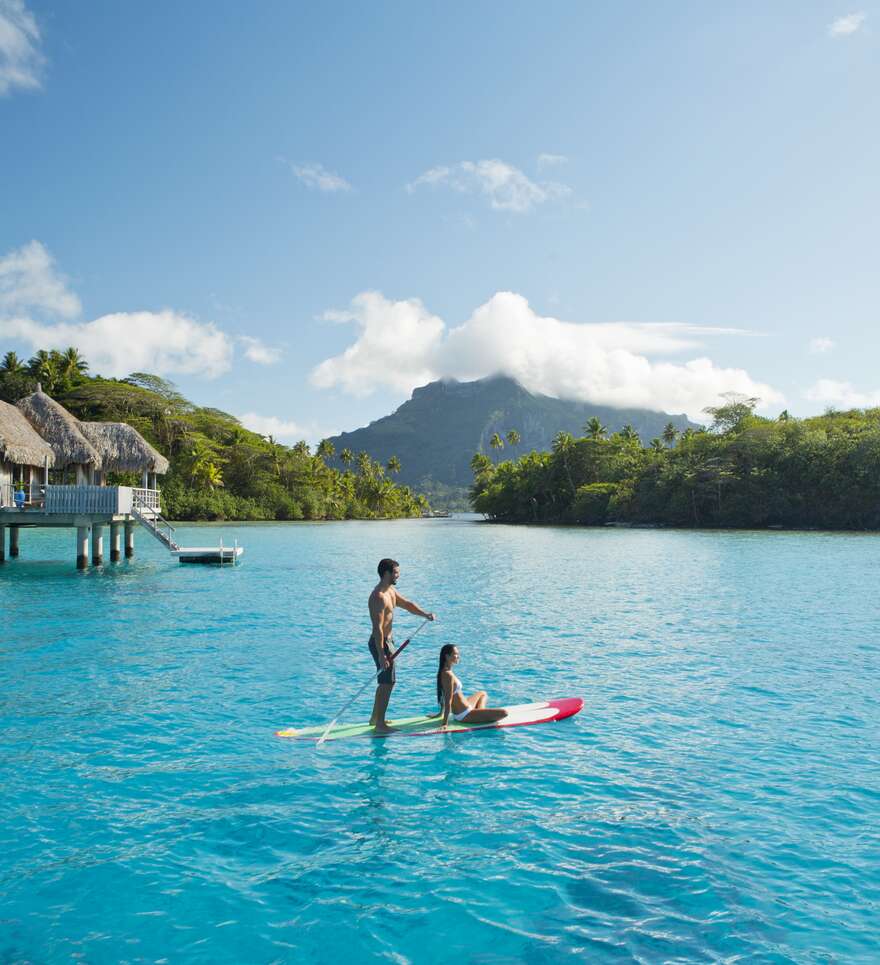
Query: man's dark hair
point(386, 566)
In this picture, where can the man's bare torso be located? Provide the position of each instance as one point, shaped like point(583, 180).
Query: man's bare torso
point(382, 604)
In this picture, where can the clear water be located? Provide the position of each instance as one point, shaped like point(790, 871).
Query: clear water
point(717, 799)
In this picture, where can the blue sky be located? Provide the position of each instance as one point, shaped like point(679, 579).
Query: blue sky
point(298, 213)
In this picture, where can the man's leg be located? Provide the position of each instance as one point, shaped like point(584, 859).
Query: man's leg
point(380, 708)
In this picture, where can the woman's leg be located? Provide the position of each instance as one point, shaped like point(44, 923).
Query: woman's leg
point(485, 715)
point(478, 701)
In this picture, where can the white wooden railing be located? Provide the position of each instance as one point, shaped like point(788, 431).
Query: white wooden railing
point(146, 499)
point(112, 500)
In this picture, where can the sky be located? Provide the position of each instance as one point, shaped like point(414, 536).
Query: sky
point(300, 212)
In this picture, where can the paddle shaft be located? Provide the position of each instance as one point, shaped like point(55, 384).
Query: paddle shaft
point(372, 679)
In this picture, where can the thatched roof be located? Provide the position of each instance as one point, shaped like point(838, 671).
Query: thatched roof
point(122, 448)
point(60, 429)
point(19, 442)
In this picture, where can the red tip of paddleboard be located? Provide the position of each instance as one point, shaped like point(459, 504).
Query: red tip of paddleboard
point(566, 707)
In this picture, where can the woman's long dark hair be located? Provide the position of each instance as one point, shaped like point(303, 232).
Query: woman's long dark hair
point(445, 652)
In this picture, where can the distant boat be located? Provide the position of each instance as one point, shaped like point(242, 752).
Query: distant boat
point(436, 514)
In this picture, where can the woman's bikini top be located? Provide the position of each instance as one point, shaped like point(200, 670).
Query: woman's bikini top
point(455, 690)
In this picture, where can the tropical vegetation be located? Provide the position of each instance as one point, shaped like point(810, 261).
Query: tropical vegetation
point(219, 469)
point(741, 471)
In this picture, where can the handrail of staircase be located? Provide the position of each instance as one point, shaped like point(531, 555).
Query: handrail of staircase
point(154, 521)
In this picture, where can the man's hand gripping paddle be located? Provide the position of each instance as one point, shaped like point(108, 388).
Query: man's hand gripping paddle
point(372, 679)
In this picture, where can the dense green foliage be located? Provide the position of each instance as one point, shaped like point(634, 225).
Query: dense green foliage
point(219, 469)
point(745, 471)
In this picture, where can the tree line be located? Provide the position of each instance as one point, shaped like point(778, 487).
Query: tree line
point(219, 469)
point(742, 471)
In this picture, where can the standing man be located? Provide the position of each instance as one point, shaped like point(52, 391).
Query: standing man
point(383, 600)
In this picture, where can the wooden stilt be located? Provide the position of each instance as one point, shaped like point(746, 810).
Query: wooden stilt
point(2, 543)
point(115, 542)
point(82, 547)
point(13, 542)
point(97, 544)
point(129, 540)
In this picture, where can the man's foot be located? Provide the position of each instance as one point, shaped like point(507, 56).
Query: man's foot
point(383, 728)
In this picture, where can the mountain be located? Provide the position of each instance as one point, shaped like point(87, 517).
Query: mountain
point(435, 433)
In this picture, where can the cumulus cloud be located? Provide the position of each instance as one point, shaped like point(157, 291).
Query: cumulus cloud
point(38, 308)
point(401, 345)
point(395, 348)
point(257, 351)
point(844, 26)
point(316, 176)
point(283, 430)
point(165, 342)
point(29, 281)
point(818, 346)
point(842, 394)
point(551, 160)
point(20, 57)
point(505, 187)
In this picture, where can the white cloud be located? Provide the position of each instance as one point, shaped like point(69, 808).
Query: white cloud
point(505, 187)
point(165, 342)
point(283, 430)
point(29, 282)
point(551, 160)
point(818, 346)
point(257, 351)
point(844, 26)
point(842, 394)
point(395, 347)
point(402, 345)
point(315, 175)
point(34, 296)
point(20, 57)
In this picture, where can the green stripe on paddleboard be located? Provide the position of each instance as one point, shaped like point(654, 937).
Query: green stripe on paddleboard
point(401, 726)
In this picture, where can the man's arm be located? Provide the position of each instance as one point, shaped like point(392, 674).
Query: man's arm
point(413, 608)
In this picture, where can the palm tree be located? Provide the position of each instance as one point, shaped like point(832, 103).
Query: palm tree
point(72, 363)
point(657, 445)
point(12, 364)
point(364, 463)
point(302, 448)
point(44, 368)
point(513, 438)
point(563, 445)
point(394, 465)
point(496, 442)
point(629, 434)
point(346, 456)
point(326, 450)
point(480, 462)
point(670, 433)
point(594, 428)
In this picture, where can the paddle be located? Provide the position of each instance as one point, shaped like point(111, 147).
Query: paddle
point(372, 679)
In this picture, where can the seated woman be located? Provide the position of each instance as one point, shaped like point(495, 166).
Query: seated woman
point(471, 710)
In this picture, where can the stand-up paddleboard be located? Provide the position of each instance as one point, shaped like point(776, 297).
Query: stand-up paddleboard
point(518, 716)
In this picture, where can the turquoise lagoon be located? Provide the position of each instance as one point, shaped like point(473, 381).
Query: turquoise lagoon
point(717, 799)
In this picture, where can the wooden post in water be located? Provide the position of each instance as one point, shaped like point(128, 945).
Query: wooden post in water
point(82, 547)
point(115, 542)
point(2, 542)
point(97, 544)
point(13, 542)
point(129, 540)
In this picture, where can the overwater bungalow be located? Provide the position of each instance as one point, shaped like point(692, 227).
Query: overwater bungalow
point(39, 434)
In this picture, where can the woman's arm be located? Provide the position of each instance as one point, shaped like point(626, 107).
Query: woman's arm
point(446, 684)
